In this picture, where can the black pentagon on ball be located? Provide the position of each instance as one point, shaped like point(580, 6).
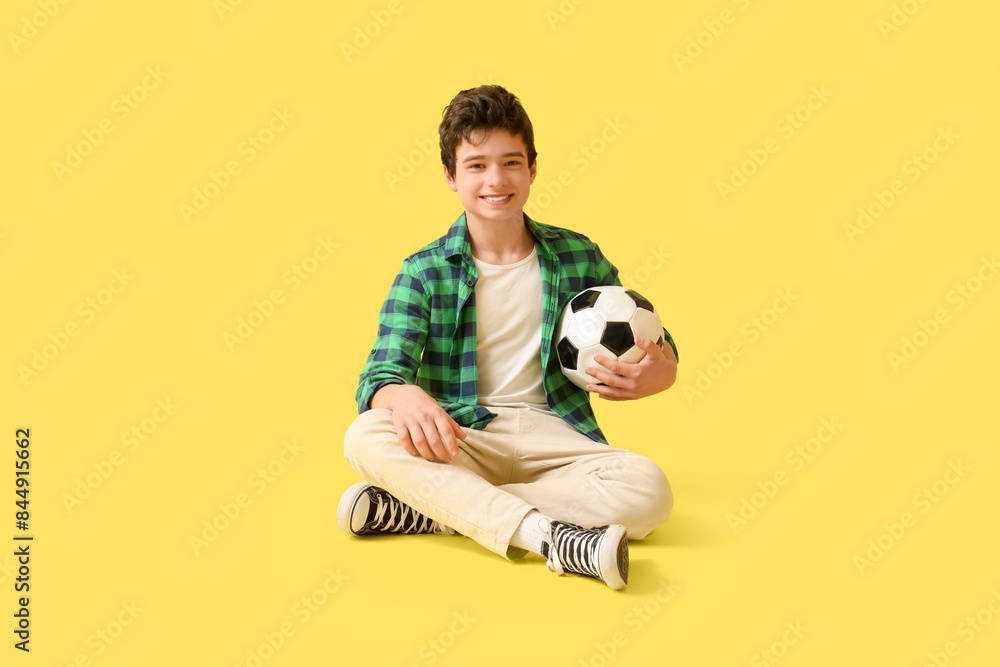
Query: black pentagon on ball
point(585, 299)
point(640, 300)
point(618, 337)
point(567, 354)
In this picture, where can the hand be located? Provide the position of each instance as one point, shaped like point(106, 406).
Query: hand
point(424, 428)
point(655, 372)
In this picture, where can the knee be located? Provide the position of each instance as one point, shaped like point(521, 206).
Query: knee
point(362, 435)
point(659, 498)
point(661, 495)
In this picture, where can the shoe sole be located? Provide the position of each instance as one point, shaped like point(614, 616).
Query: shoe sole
point(612, 557)
point(348, 501)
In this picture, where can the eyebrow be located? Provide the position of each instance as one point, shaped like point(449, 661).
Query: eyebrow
point(483, 157)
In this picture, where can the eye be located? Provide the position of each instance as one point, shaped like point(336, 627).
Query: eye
point(515, 162)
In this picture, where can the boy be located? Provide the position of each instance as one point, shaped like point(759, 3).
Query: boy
point(466, 423)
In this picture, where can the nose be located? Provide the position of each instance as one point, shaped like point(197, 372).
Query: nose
point(495, 176)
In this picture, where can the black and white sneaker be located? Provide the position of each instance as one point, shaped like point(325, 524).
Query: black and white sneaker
point(366, 510)
point(600, 552)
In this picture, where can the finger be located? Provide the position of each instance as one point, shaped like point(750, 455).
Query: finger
point(420, 443)
point(619, 388)
point(650, 347)
point(606, 363)
point(435, 443)
point(600, 375)
point(611, 395)
point(599, 389)
point(447, 436)
point(459, 433)
point(430, 456)
point(605, 392)
point(427, 453)
point(421, 450)
point(404, 439)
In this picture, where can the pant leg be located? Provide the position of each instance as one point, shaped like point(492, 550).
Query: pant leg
point(568, 476)
point(462, 494)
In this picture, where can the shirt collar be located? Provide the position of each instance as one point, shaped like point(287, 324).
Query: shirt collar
point(456, 241)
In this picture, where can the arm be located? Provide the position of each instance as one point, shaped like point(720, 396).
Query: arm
point(402, 334)
point(388, 380)
point(655, 372)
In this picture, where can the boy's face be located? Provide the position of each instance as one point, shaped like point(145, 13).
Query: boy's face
point(492, 175)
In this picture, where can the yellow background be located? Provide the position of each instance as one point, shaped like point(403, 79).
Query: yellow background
point(652, 191)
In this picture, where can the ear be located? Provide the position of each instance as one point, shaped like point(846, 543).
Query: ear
point(449, 179)
point(533, 171)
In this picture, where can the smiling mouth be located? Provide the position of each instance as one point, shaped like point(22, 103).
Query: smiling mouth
point(496, 197)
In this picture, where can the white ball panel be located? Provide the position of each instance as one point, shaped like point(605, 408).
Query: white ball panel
point(583, 328)
point(579, 379)
point(646, 324)
point(615, 305)
point(585, 360)
point(633, 355)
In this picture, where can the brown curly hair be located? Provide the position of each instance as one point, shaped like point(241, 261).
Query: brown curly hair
point(483, 108)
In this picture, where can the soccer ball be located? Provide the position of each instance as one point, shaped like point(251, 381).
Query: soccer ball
point(604, 321)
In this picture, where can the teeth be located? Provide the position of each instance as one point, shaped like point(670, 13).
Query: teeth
point(496, 198)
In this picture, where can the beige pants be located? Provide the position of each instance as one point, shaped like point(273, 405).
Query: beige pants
point(522, 460)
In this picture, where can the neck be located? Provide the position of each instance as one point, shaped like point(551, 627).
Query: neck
point(500, 241)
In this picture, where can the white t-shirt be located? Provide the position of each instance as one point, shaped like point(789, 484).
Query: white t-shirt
point(509, 334)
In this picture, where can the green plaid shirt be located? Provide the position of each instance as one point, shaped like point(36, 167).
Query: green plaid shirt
point(427, 326)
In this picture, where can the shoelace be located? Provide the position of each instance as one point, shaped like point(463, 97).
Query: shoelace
point(571, 548)
point(398, 514)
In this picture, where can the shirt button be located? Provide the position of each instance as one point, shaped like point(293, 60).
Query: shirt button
point(469, 282)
